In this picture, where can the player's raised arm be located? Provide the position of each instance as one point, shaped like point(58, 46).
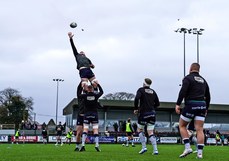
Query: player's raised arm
point(75, 52)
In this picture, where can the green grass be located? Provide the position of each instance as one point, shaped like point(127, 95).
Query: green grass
point(110, 152)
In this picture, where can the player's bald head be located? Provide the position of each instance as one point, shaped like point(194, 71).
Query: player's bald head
point(195, 67)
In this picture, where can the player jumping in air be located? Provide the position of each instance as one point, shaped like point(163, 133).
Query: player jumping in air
point(84, 65)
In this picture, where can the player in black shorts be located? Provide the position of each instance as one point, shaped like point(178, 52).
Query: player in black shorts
point(84, 65)
point(79, 123)
point(44, 135)
point(145, 103)
point(91, 114)
point(196, 95)
point(59, 132)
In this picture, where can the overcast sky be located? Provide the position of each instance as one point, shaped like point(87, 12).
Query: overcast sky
point(127, 40)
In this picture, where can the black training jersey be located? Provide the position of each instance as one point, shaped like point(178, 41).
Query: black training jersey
point(194, 87)
point(82, 60)
point(91, 99)
point(81, 103)
point(59, 128)
point(146, 100)
point(44, 133)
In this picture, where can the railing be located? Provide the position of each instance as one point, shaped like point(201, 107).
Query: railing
point(7, 126)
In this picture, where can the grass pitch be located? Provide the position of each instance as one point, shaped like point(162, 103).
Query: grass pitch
point(110, 152)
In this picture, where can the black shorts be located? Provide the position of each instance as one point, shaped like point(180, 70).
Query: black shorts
point(80, 120)
point(129, 133)
point(86, 73)
point(147, 118)
point(191, 126)
point(194, 109)
point(91, 117)
point(59, 133)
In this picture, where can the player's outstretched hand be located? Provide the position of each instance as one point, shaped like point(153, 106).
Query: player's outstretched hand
point(70, 34)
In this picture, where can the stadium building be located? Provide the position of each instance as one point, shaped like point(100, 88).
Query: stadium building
point(118, 111)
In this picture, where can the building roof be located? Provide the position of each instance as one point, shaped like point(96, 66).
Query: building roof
point(128, 104)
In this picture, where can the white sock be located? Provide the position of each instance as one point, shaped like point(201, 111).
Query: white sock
point(142, 139)
point(153, 142)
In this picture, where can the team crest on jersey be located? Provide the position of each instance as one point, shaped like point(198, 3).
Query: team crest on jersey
point(149, 91)
point(199, 79)
point(90, 98)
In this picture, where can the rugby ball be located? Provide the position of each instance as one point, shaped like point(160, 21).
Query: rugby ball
point(73, 25)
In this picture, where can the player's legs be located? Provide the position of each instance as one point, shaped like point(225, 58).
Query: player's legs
point(87, 74)
point(57, 139)
point(132, 140)
point(199, 123)
point(141, 135)
point(183, 122)
point(128, 138)
point(79, 132)
point(96, 135)
point(152, 138)
point(84, 83)
point(94, 81)
point(85, 132)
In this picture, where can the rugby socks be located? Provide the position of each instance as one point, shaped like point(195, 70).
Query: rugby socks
point(142, 139)
point(96, 140)
point(127, 142)
point(186, 143)
point(132, 141)
point(84, 136)
point(77, 144)
point(200, 149)
point(194, 140)
point(153, 141)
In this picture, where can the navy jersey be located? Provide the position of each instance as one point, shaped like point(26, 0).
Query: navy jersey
point(146, 100)
point(59, 129)
point(81, 59)
point(91, 99)
point(194, 88)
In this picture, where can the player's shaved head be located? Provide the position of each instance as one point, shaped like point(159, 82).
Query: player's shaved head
point(195, 67)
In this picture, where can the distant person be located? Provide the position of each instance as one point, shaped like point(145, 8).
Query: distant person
point(59, 133)
point(69, 136)
point(84, 65)
point(91, 114)
point(129, 133)
point(145, 103)
point(218, 138)
point(44, 135)
point(16, 136)
point(207, 135)
point(196, 95)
